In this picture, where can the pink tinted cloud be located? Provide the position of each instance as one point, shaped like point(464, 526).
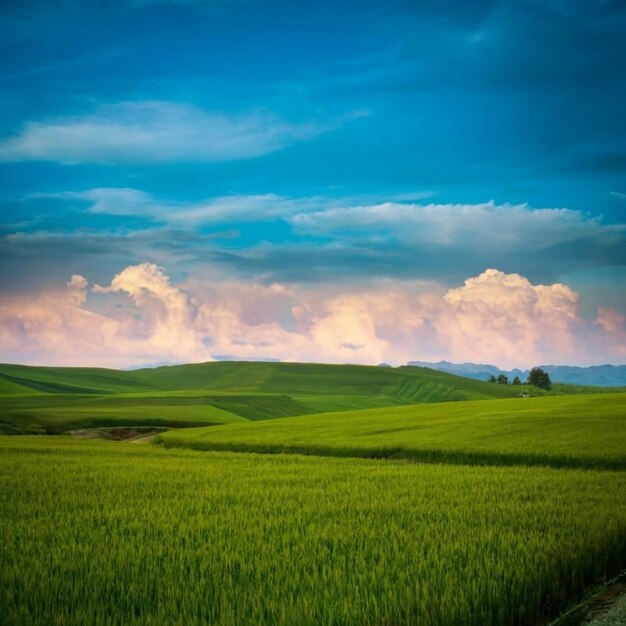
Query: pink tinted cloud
point(612, 330)
point(494, 317)
point(507, 319)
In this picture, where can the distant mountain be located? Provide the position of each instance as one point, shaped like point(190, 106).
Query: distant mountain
point(478, 371)
point(596, 375)
point(599, 375)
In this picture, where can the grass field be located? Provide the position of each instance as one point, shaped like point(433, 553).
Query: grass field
point(56, 399)
point(98, 532)
point(51, 399)
point(509, 508)
point(53, 413)
point(577, 431)
point(402, 383)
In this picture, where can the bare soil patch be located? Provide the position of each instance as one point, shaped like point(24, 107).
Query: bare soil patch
point(597, 606)
point(123, 433)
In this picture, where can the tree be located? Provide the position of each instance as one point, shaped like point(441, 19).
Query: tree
point(538, 378)
point(502, 379)
point(517, 381)
point(492, 379)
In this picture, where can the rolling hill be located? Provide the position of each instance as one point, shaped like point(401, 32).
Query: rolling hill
point(53, 399)
point(565, 431)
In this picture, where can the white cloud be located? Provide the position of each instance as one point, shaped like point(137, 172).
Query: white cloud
point(55, 327)
point(233, 208)
point(167, 315)
point(442, 225)
point(141, 317)
point(108, 200)
point(237, 208)
point(333, 238)
point(156, 131)
point(507, 319)
point(495, 225)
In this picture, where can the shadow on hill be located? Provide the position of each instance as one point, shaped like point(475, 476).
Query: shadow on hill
point(47, 386)
point(447, 457)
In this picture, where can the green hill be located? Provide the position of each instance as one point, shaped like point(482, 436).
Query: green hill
point(91, 380)
point(404, 384)
point(578, 431)
point(53, 399)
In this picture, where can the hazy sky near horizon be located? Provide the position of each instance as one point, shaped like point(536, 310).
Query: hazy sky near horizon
point(345, 181)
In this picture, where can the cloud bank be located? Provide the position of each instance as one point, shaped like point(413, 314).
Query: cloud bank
point(312, 239)
point(141, 317)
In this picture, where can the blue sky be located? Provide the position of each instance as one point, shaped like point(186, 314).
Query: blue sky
point(319, 145)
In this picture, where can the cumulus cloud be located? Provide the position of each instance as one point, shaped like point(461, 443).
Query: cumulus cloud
point(166, 316)
point(157, 131)
point(141, 317)
point(507, 318)
point(40, 328)
point(55, 327)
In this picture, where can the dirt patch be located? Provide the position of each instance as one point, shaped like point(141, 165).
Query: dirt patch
point(597, 606)
point(123, 433)
point(144, 438)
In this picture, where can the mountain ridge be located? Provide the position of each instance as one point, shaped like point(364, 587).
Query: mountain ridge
point(596, 375)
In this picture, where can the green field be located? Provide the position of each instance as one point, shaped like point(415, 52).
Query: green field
point(98, 532)
point(577, 431)
point(54, 399)
point(410, 510)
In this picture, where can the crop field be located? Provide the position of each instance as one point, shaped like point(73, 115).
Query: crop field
point(97, 532)
point(577, 431)
point(493, 511)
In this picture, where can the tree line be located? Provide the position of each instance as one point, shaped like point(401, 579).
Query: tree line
point(536, 377)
